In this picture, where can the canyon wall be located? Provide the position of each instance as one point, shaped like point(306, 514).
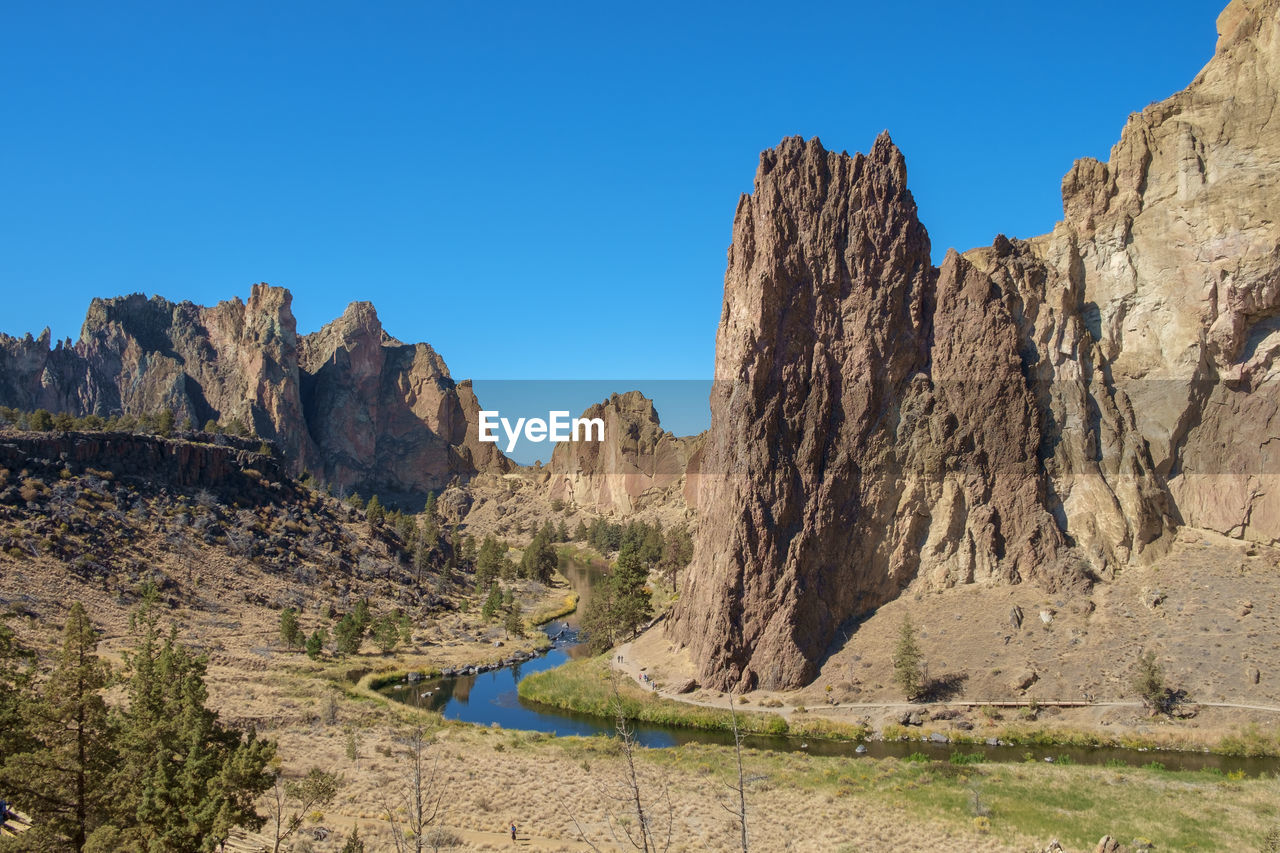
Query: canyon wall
point(1044, 410)
point(349, 403)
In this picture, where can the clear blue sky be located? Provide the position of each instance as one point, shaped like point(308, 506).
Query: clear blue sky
point(539, 190)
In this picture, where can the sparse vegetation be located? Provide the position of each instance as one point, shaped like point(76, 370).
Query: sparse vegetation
point(908, 669)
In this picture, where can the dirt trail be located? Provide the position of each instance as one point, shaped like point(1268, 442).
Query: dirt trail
point(624, 661)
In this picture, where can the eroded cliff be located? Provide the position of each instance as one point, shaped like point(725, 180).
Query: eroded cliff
point(348, 403)
point(1042, 411)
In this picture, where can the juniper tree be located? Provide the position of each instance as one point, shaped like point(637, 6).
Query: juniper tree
point(290, 631)
point(315, 643)
point(354, 843)
point(1148, 683)
point(908, 672)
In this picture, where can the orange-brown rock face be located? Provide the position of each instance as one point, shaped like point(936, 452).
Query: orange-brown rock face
point(349, 403)
point(636, 464)
point(387, 416)
point(1044, 410)
point(825, 324)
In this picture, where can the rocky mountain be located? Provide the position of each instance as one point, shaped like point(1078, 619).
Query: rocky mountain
point(636, 465)
point(349, 403)
point(1045, 410)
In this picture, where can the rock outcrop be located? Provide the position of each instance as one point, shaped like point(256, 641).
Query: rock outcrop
point(1043, 410)
point(637, 464)
point(348, 403)
point(220, 463)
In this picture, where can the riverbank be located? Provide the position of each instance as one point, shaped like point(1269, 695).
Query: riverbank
point(589, 687)
point(585, 686)
point(1234, 729)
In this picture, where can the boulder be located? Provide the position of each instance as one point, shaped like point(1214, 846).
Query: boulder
point(687, 685)
point(1023, 679)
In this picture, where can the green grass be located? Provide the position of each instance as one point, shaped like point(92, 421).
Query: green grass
point(1025, 802)
point(570, 552)
point(587, 686)
point(1251, 742)
point(555, 611)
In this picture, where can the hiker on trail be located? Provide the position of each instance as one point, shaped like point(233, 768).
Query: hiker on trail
point(4, 811)
point(513, 830)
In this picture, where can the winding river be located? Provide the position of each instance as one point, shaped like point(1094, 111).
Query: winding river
point(491, 698)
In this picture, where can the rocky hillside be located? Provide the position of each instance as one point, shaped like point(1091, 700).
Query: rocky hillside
point(1045, 410)
point(349, 403)
point(637, 464)
point(100, 514)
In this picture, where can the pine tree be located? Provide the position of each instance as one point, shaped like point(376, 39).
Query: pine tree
point(184, 778)
point(63, 777)
point(386, 633)
point(17, 669)
point(631, 594)
point(422, 556)
point(514, 623)
point(580, 533)
point(540, 560)
point(651, 545)
point(374, 512)
point(677, 551)
point(360, 613)
point(348, 634)
point(488, 562)
point(492, 603)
